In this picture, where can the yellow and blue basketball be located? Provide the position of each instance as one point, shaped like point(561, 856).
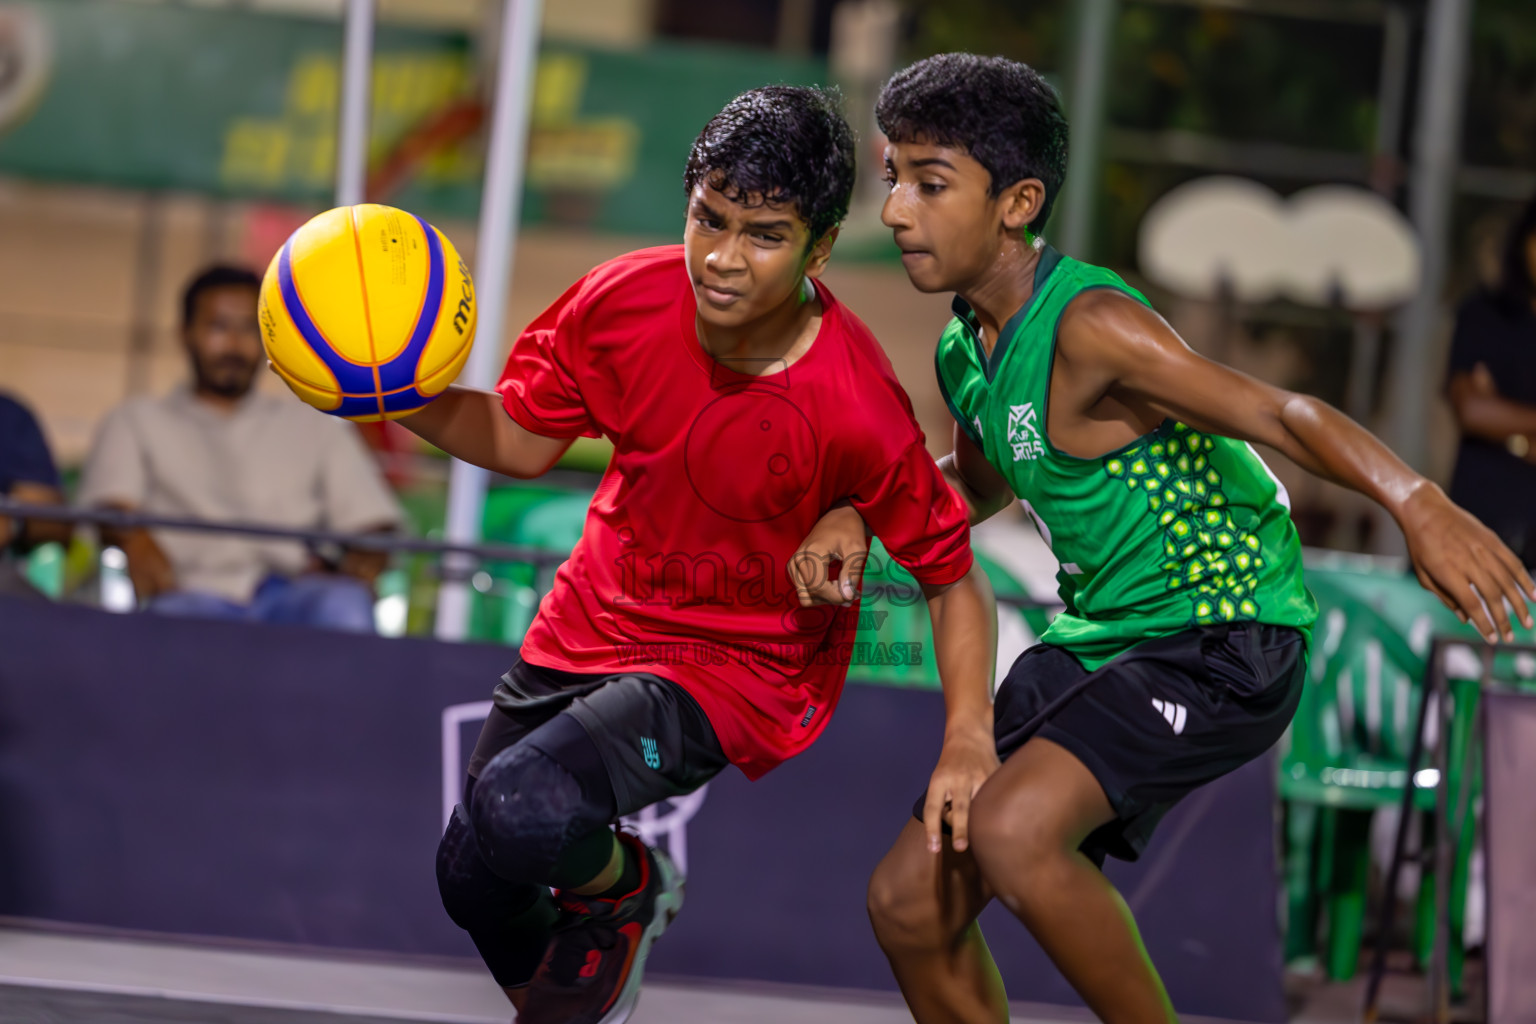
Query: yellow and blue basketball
point(367, 312)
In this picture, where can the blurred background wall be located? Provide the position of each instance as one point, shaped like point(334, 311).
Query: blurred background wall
point(218, 141)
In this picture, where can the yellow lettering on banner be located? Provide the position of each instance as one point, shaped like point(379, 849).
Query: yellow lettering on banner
point(568, 152)
point(297, 149)
point(314, 86)
point(314, 161)
point(255, 154)
point(590, 155)
point(558, 85)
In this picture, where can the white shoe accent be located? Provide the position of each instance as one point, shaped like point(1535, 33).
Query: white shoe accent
point(1175, 714)
point(669, 900)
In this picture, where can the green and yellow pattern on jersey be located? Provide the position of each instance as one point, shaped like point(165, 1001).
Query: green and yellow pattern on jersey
point(1177, 529)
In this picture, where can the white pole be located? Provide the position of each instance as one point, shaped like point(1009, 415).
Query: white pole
point(1431, 193)
point(356, 95)
point(500, 203)
point(1086, 104)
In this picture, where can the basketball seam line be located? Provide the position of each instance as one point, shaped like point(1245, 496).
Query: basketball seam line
point(289, 281)
point(362, 282)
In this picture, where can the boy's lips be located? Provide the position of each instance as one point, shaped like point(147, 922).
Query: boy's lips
point(911, 256)
point(718, 296)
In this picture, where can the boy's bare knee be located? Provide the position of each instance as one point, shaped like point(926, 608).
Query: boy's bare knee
point(902, 914)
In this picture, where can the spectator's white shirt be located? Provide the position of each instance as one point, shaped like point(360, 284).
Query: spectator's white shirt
point(271, 460)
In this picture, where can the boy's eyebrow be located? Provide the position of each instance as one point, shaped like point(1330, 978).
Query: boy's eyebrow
point(782, 224)
point(929, 161)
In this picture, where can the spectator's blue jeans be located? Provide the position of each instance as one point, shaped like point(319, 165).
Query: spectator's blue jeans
point(327, 601)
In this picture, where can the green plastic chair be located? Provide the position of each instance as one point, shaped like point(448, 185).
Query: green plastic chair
point(45, 569)
point(507, 593)
point(1346, 757)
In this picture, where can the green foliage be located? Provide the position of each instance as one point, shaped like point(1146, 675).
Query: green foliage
point(1501, 107)
point(1035, 33)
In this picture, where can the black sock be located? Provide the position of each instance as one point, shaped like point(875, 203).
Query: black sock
point(629, 875)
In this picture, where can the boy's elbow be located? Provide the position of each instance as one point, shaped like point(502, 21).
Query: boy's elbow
point(974, 582)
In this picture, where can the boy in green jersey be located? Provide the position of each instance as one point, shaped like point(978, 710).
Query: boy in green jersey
point(1182, 649)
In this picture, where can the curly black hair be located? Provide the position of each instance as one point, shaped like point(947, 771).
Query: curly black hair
point(779, 144)
point(1002, 113)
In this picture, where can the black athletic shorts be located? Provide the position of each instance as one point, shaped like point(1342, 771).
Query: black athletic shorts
point(653, 738)
point(1159, 721)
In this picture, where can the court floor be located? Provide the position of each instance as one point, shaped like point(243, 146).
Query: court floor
point(65, 978)
point(61, 977)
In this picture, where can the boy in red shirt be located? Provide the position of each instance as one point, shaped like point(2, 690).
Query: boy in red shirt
point(743, 402)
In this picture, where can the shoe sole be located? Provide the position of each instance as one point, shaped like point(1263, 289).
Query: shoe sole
point(669, 902)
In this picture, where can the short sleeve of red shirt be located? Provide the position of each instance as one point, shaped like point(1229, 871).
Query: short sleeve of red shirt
point(541, 386)
point(919, 519)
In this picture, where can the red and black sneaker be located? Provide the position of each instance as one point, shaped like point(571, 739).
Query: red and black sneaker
point(591, 972)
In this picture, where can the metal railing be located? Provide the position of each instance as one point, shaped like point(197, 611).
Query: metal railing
point(391, 542)
point(464, 565)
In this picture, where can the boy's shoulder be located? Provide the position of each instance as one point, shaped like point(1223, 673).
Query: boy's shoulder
point(863, 354)
point(634, 278)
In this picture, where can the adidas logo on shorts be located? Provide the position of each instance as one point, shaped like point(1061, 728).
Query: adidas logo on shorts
point(1174, 713)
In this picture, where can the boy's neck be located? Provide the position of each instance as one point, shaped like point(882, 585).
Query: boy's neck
point(1002, 290)
point(771, 342)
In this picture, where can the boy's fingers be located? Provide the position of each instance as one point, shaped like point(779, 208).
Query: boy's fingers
point(933, 818)
point(852, 577)
point(1428, 583)
point(1492, 595)
point(1516, 583)
point(808, 573)
point(1510, 599)
point(960, 820)
point(808, 566)
point(1472, 604)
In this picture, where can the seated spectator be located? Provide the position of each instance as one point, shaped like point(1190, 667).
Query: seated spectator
point(1492, 387)
point(220, 451)
point(27, 474)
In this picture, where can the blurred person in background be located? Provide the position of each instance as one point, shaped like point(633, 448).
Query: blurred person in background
point(220, 451)
point(1491, 384)
point(28, 475)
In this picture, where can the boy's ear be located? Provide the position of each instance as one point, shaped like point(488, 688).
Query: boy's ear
point(821, 252)
point(1022, 202)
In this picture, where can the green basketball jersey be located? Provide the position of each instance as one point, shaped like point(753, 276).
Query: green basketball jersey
point(1177, 529)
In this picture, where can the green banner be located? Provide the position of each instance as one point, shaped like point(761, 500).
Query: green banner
point(240, 104)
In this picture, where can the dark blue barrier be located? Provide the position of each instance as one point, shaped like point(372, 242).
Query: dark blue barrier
point(286, 784)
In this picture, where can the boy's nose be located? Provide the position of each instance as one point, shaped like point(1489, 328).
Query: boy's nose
point(724, 258)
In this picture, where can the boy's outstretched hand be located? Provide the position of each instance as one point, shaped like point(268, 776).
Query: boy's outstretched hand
point(1465, 565)
point(967, 759)
point(839, 536)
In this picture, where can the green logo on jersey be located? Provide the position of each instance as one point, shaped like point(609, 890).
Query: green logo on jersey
point(652, 755)
point(1207, 553)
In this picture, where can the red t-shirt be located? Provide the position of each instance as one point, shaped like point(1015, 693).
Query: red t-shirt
point(716, 478)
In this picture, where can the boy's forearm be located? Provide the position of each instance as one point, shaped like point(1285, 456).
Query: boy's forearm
point(978, 507)
point(1331, 445)
point(965, 647)
point(472, 425)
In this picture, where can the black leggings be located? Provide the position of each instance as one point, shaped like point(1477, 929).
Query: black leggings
point(537, 817)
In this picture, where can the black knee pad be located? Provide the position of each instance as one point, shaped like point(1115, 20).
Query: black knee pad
point(510, 922)
point(474, 896)
point(525, 811)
